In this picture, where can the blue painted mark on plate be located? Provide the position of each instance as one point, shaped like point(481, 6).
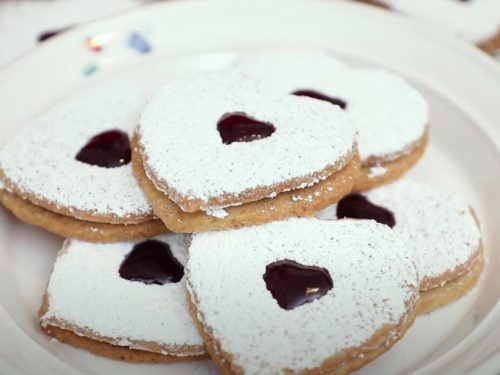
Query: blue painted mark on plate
point(138, 42)
point(89, 69)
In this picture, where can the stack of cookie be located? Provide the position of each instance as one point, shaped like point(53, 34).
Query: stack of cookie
point(474, 21)
point(255, 215)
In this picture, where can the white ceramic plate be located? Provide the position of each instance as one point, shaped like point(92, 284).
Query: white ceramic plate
point(461, 84)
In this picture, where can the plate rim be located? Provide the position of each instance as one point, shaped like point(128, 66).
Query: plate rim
point(441, 38)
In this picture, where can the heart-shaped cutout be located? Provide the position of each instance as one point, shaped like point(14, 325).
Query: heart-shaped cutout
point(292, 284)
point(109, 149)
point(151, 262)
point(357, 206)
point(238, 127)
point(319, 96)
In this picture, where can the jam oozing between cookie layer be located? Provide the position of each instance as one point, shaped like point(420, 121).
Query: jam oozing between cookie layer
point(319, 96)
point(151, 262)
point(109, 149)
point(292, 284)
point(357, 206)
point(238, 127)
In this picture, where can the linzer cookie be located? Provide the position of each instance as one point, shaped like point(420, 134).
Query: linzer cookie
point(390, 115)
point(441, 230)
point(215, 151)
point(301, 296)
point(123, 300)
point(476, 21)
point(69, 171)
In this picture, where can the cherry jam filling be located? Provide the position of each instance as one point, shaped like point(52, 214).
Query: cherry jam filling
point(238, 127)
point(293, 284)
point(42, 37)
point(357, 206)
point(109, 149)
point(319, 96)
point(151, 262)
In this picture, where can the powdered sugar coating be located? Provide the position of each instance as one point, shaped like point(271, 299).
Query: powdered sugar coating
point(184, 151)
point(86, 291)
point(474, 20)
point(373, 279)
point(389, 114)
point(439, 228)
point(218, 213)
point(376, 171)
point(40, 159)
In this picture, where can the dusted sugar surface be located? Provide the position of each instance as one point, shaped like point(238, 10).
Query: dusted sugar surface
point(40, 159)
point(439, 228)
point(390, 115)
point(86, 291)
point(373, 275)
point(473, 20)
point(184, 151)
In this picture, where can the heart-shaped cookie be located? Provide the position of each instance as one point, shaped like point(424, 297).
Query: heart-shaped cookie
point(301, 296)
point(69, 170)
point(390, 115)
point(116, 301)
point(238, 147)
point(441, 231)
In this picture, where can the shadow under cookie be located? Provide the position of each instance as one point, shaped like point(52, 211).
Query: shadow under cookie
point(380, 173)
point(302, 202)
point(377, 3)
point(67, 226)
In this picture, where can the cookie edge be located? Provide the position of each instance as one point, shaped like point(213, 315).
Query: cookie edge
point(68, 226)
point(223, 360)
point(395, 168)
point(193, 204)
point(165, 208)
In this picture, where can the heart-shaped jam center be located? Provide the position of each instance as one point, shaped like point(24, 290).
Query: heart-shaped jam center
point(238, 127)
point(292, 284)
point(357, 206)
point(109, 149)
point(319, 96)
point(151, 262)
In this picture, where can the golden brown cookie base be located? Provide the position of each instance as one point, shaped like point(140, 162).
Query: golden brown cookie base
point(121, 353)
point(394, 169)
point(342, 363)
point(491, 45)
point(452, 290)
point(297, 203)
point(105, 349)
point(83, 230)
point(435, 282)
